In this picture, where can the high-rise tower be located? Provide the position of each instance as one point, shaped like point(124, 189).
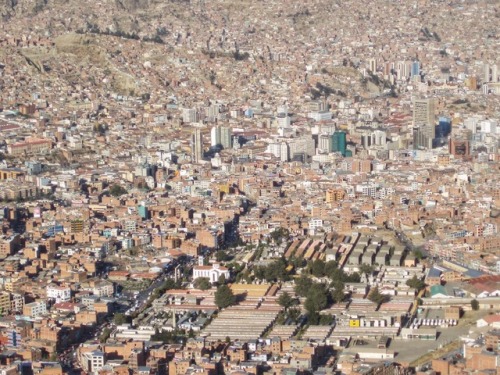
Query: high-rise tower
point(196, 146)
point(423, 123)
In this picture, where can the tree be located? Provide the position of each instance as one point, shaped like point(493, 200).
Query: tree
point(415, 283)
point(326, 319)
point(222, 256)
point(418, 254)
point(279, 234)
point(120, 319)
point(294, 314)
point(303, 285)
point(330, 267)
point(106, 332)
point(286, 300)
point(272, 272)
point(318, 268)
point(221, 280)
point(352, 278)
point(367, 269)
point(377, 297)
point(224, 297)
point(117, 190)
point(338, 293)
point(474, 304)
point(276, 271)
point(317, 299)
point(202, 283)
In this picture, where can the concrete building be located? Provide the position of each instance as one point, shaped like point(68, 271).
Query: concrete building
point(212, 272)
point(423, 123)
point(196, 146)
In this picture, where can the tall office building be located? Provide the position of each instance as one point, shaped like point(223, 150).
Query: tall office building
point(486, 73)
point(215, 136)
point(494, 73)
point(415, 68)
point(220, 135)
point(339, 142)
point(443, 130)
point(226, 137)
point(189, 115)
point(423, 123)
point(196, 146)
point(372, 65)
point(324, 143)
point(301, 148)
point(213, 111)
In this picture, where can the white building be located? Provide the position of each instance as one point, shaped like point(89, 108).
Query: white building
point(315, 223)
point(93, 362)
point(189, 115)
point(35, 309)
point(59, 293)
point(220, 135)
point(212, 272)
point(103, 289)
point(320, 116)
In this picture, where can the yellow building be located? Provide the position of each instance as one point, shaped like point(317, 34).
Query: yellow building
point(334, 195)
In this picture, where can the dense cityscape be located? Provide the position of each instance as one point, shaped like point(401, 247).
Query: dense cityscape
point(236, 187)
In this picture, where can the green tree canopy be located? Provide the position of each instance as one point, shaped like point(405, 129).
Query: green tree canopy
point(222, 279)
point(279, 234)
point(106, 332)
point(330, 267)
point(224, 297)
point(276, 271)
point(416, 283)
point(318, 268)
point(303, 285)
point(117, 190)
point(222, 256)
point(367, 269)
point(120, 319)
point(338, 293)
point(317, 298)
point(202, 283)
point(377, 297)
point(474, 304)
point(286, 300)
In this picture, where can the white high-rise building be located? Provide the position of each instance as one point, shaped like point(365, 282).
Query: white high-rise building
point(283, 120)
point(284, 152)
point(424, 127)
point(220, 135)
point(324, 143)
point(379, 138)
point(189, 115)
point(372, 65)
point(213, 111)
point(275, 149)
point(226, 137)
point(215, 136)
point(494, 73)
point(302, 145)
point(279, 150)
point(486, 73)
point(196, 146)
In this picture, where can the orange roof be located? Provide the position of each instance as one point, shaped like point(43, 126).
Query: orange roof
point(64, 306)
point(492, 318)
point(119, 273)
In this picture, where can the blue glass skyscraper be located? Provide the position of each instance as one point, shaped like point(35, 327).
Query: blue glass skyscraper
point(444, 127)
